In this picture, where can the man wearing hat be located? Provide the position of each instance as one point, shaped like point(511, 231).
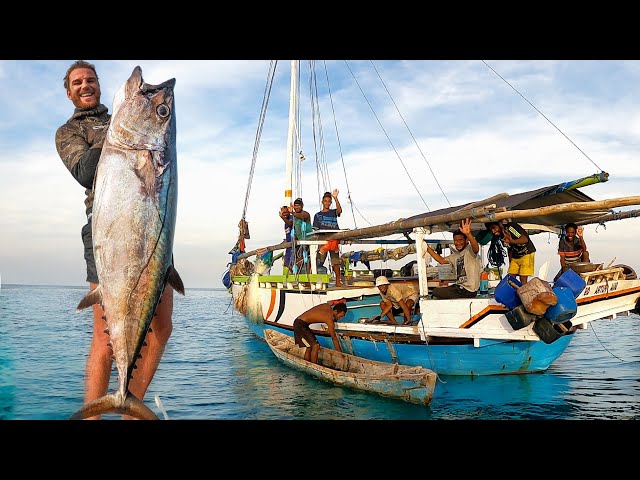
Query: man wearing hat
point(397, 299)
point(301, 228)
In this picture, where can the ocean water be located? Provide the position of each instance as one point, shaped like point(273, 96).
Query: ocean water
point(214, 368)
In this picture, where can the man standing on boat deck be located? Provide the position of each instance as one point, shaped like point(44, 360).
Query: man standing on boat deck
point(327, 219)
point(286, 217)
point(571, 248)
point(396, 299)
point(519, 247)
point(79, 143)
point(304, 336)
point(465, 261)
point(301, 228)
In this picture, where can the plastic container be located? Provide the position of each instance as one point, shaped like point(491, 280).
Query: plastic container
point(506, 294)
point(565, 309)
point(484, 282)
point(550, 332)
point(519, 317)
point(537, 296)
point(571, 280)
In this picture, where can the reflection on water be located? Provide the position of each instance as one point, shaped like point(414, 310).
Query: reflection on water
point(214, 368)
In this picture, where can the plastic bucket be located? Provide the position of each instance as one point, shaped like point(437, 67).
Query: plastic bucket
point(565, 309)
point(571, 280)
point(506, 294)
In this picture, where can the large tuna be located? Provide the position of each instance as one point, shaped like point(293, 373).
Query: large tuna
point(133, 223)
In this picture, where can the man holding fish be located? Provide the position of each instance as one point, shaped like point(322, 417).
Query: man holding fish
point(79, 143)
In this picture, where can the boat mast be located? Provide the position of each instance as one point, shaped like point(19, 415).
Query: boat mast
point(293, 107)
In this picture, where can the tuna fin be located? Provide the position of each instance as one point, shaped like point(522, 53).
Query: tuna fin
point(112, 404)
point(94, 296)
point(173, 279)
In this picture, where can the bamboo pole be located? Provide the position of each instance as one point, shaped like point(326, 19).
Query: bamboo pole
point(611, 217)
point(570, 207)
point(403, 225)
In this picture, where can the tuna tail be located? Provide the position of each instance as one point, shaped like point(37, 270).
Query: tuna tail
point(113, 403)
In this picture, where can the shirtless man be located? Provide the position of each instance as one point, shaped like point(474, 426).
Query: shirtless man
point(304, 336)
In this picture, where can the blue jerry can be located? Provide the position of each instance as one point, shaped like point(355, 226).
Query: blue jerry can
point(565, 309)
point(506, 294)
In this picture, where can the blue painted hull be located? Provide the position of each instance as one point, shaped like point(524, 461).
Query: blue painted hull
point(492, 357)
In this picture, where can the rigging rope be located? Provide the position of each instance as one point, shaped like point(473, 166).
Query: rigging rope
point(388, 138)
point(335, 124)
point(545, 117)
point(263, 112)
point(411, 133)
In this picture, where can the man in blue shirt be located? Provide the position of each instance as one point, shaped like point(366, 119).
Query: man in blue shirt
point(327, 219)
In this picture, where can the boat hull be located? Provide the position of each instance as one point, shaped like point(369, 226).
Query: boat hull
point(497, 357)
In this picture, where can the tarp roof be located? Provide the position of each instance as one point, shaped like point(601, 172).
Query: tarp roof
point(541, 197)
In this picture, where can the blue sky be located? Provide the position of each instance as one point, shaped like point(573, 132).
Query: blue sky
point(476, 136)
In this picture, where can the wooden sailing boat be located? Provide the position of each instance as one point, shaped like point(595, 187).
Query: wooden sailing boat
point(452, 337)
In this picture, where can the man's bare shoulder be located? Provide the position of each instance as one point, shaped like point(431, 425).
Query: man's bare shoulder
point(319, 313)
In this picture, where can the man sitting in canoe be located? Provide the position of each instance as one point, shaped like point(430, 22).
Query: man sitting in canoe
point(304, 336)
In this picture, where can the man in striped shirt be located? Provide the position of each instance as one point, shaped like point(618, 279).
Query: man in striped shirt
point(571, 248)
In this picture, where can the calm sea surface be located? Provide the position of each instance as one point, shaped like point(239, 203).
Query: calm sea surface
point(215, 369)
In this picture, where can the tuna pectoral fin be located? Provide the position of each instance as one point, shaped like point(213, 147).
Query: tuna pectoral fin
point(113, 404)
point(173, 279)
point(94, 296)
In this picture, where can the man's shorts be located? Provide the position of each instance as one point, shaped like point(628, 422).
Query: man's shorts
point(333, 255)
point(522, 266)
point(302, 334)
point(87, 240)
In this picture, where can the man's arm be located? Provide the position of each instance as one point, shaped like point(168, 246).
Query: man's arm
point(580, 233)
point(465, 227)
point(332, 332)
point(433, 253)
point(80, 158)
point(524, 237)
point(334, 194)
point(284, 215)
point(302, 215)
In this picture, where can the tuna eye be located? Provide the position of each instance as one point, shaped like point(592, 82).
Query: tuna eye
point(162, 110)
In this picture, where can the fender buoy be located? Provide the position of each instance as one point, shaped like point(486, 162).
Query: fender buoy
point(226, 279)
